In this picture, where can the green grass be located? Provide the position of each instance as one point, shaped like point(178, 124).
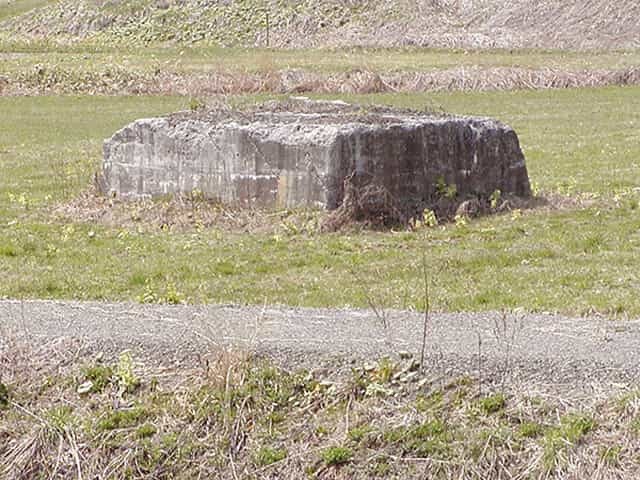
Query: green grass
point(576, 261)
point(21, 57)
point(572, 429)
point(336, 455)
point(12, 8)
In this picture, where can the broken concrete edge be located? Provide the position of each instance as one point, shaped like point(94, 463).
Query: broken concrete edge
point(302, 153)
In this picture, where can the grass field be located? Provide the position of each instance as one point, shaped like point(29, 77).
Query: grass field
point(581, 143)
point(12, 8)
point(19, 57)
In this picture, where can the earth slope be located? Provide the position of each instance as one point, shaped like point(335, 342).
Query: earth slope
point(566, 24)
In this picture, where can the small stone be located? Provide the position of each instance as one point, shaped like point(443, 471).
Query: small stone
point(409, 377)
point(92, 234)
point(369, 367)
point(85, 387)
point(410, 366)
point(404, 355)
point(423, 382)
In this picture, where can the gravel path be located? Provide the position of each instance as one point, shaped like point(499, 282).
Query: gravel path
point(547, 348)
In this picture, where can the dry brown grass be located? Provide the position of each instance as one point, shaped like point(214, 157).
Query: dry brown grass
point(301, 81)
point(369, 208)
point(185, 213)
point(230, 414)
point(225, 414)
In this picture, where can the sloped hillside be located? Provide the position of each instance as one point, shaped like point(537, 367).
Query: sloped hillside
point(568, 24)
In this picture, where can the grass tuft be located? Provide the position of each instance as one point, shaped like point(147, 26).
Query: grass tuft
point(337, 455)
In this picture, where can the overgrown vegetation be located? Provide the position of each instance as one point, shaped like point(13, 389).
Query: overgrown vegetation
point(234, 415)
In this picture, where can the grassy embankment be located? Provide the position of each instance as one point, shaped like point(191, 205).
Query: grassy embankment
point(65, 416)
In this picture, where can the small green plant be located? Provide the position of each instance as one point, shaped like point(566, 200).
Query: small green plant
point(558, 440)
point(385, 370)
point(434, 401)
point(267, 456)
point(100, 377)
point(530, 430)
point(123, 418)
point(493, 403)
point(336, 455)
point(535, 189)
point(427, 439)
point(22, 199)
point(381, 467)
point(172, 295)
point(428, 429)
point(357, 434)
point(60, 418)
point(461, 220)
point(428, 220)
point(149, 294)
point(275, 418)
point(4, 396)
point(196, 104)
point(577, 426)
point(8, 251)
point(446, 190)
point(611, 455)
point(494, 199)
point(635, 426)
point(146, 430)
point(126, 377)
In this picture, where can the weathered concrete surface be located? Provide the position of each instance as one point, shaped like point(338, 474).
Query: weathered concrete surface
point(285, 158)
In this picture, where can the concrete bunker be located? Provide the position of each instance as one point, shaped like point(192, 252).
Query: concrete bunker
point(301, 153)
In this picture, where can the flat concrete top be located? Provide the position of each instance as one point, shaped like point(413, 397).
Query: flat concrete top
point(305, 111)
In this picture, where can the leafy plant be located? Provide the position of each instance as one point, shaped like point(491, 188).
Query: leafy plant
point(172, 295)
point(60, 418)
point(267, 456)
point(530, 429)
point(126, 377)
point(556, 442)
point(337, 455)
point(196, 104)
point(494, 199)
point(446, 190)
point(99, 375)
point(123, 418)
point(493, 403)
point(146, 430)
point(4, 396)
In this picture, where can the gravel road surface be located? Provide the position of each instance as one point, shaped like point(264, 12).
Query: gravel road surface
point(549, 348)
